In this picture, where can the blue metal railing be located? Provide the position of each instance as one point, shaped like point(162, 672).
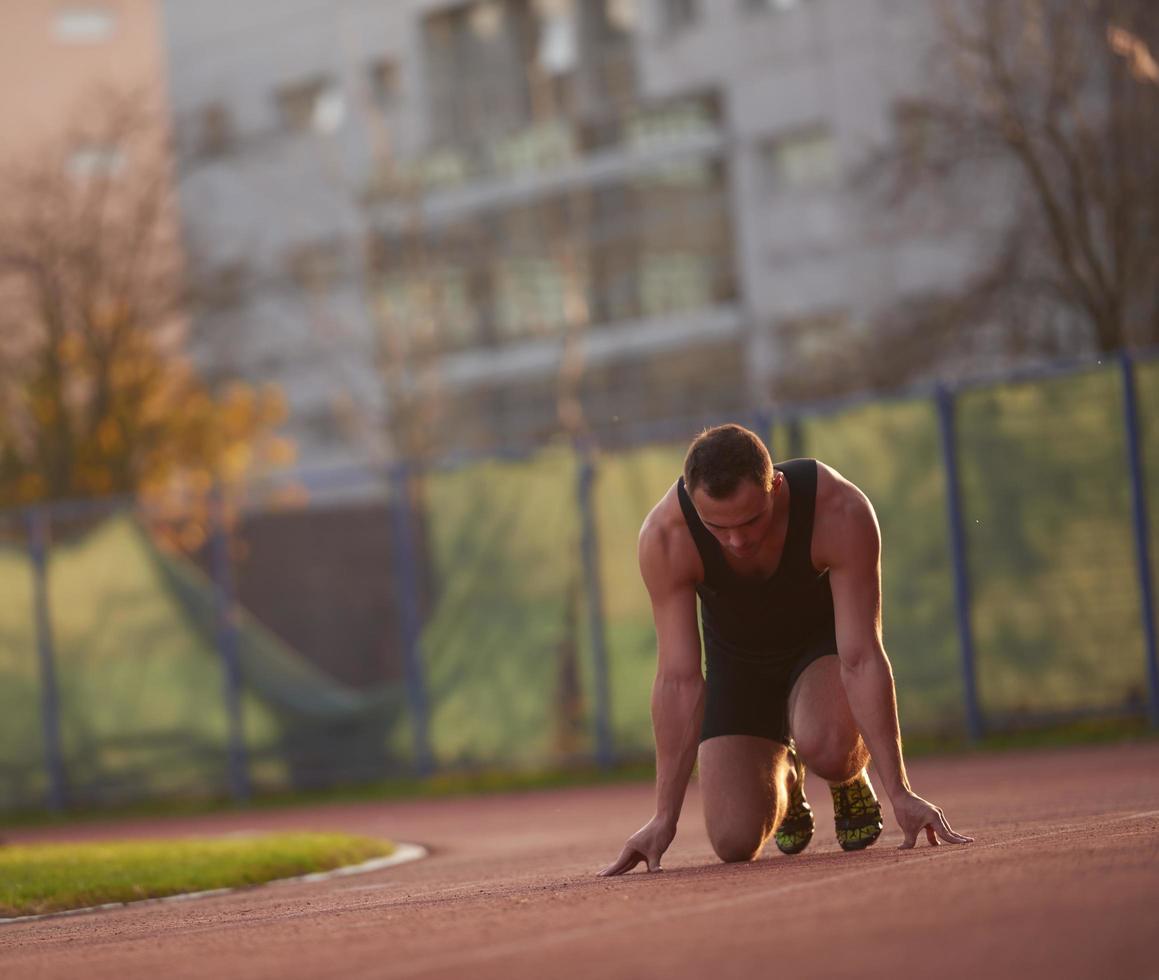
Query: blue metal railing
point(392, 481)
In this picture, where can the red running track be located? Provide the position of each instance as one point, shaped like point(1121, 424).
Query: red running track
point(1063, 881)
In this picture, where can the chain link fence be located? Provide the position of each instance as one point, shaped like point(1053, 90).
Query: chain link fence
point(489, 613)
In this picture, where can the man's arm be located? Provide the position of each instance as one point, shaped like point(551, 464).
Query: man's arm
point(855, 579)
point(677, 701)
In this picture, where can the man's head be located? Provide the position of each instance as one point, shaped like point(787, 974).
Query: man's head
point(729, 475)
point(720, 458)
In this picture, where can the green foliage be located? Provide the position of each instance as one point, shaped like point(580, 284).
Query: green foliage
point(40, 878)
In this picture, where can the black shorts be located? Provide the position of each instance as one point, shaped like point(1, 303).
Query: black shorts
point(749, 696)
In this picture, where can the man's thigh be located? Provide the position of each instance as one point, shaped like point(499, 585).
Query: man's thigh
point(821, 721)
point(740, 777)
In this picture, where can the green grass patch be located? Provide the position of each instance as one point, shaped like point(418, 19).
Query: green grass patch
point(39, 878)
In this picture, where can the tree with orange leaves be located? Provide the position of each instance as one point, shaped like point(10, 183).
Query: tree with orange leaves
point(98, 394)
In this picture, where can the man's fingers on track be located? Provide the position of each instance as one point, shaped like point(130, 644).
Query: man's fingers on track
point(947, 833)
point(627, 860)
point(617, 869)
point(931, 836)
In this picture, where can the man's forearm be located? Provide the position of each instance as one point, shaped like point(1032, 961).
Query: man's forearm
point(677, 711)
point(868, 683)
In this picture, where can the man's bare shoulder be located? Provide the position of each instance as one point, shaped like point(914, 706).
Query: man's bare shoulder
point(667, 553)
point(844, 517)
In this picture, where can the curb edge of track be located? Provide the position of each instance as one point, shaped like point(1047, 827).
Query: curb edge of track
point(402, 854)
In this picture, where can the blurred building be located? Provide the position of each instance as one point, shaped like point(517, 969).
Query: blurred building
point(57, 62)
point(440, 225)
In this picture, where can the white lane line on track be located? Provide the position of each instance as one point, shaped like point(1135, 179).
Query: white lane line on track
point(401, 854)
point(449, 961)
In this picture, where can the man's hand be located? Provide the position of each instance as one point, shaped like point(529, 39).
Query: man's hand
point(646, 844)
point(914, 814)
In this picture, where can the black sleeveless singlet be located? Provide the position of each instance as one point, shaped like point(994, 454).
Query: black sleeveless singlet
point(761, 633)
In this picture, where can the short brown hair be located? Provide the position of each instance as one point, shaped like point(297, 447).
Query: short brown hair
point(720, 457)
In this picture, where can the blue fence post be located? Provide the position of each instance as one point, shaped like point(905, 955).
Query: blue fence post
point(590, 550)
point(762, 423)
point(225, 602)
point(407, 575)
point(38, 537)
point(1142, 531)
point(946, 422)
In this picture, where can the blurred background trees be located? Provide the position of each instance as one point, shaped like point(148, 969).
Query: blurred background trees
point(97, 392)
point(1041, 113)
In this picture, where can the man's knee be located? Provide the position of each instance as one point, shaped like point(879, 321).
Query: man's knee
point(737, 844)
point(832, 754)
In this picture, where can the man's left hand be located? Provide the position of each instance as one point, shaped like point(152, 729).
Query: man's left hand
point(914, 815)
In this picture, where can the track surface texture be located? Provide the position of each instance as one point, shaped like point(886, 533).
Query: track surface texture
point(1062, 881)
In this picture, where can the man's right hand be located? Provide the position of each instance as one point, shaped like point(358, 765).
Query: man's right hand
point(647, 844)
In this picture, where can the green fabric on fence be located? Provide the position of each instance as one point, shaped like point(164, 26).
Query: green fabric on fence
point(141, 682)
point(138, 688)
point(22, 771)
point(323, 731)
point(270, 668)
point(500, 644)
point(506, 642)
point(1048, 524)
point(1147, 383)
point(628, 487)
point(893, 453)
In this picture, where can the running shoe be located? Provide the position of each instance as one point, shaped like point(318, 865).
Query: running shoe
point(796, 830)
point(856, 813)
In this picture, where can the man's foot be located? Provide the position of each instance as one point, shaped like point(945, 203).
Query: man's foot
point(796, 830)
point(856, 812)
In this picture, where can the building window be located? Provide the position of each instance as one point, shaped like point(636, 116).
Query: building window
point(914, 131)
point(806, 158)
point(679, 15)
point(314, 267)
point(84, 25)
point(214, 130)
point(314, 104)
point(486, 20)
point(96, 161)
point(779, 6)
point(225, 288)
point(551, 144)
point(674, 281)
point(382, 79)
point(531, 296)
point(557, 52)
point(816, 339)
point(431, 310)
point(621, 15)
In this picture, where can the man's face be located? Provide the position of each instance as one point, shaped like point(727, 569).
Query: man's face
point(742, 521)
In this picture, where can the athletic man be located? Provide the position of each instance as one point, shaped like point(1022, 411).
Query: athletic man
point(786, 561)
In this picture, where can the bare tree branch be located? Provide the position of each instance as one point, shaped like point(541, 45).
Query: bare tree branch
point(1062, 97)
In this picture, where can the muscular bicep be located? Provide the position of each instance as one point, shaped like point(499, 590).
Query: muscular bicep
point(673, 598)
point(855, 579)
